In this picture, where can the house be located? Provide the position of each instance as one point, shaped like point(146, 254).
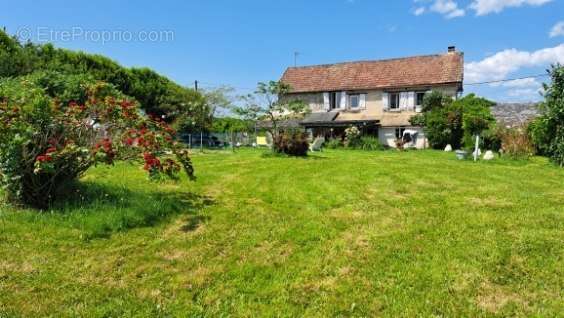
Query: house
point(379, 97)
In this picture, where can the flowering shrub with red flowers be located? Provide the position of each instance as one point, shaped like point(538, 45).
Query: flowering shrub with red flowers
point(47, 141)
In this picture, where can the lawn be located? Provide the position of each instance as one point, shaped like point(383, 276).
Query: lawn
point(341, 233)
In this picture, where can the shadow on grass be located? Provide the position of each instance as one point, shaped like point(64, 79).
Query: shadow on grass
point(310, 156)
point(193, 222)
point(99, 210)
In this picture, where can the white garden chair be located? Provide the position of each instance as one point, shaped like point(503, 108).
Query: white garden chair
point(317, 144)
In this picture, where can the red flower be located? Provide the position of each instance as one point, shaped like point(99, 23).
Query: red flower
point(51, 150)
point(44, 158)
point(151, 162)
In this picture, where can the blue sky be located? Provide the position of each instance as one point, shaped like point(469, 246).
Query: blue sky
point(240, 43)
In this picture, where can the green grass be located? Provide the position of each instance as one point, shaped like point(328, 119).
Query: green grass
point(341, 233)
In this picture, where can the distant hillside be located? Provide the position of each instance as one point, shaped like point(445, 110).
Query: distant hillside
point(157, 94)
point(515, 114)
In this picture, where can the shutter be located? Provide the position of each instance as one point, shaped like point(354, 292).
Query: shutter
point(362, 101)
point(386, 101)
point(326, 103)
point(338, 100)
point(343, 104)
point(403, 100)
point(411, 101)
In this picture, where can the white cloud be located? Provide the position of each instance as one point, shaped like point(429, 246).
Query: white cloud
point(448, 8)
point(484, 7)
point(557, 29)
point(519, 83)
point(525, 94)
point(501, 64)
point(419, 11)
point(525, 89)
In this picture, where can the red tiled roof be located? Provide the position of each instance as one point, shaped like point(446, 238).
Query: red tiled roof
point(395, 73)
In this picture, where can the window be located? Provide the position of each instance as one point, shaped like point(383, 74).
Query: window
point(399, 132)
point(354, 101)
point(332, 100)
point(419, 98)
point(394, 100)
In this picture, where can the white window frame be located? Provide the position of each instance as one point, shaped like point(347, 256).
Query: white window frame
point(357, 96)
point(391, 101)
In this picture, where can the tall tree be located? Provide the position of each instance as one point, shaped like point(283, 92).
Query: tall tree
point(271, 104)
point(548, 130)
point(156, 94)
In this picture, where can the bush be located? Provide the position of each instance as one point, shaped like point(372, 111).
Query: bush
point(491, 139)
point(333, 144)
point(292, 143)
point(369, 143)
point(352, 137)
point(454, 122)
point(515, 142)
point(53, 128)
point(443, 126)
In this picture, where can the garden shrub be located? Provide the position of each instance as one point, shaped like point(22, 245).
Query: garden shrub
point(53, 128)
point(538, 130)
point(454, 122)
point(333, 143)
point(443, 126)
point(515, 142)
point(369, 143)
point(352, 137)
point(476, 118)
point(293, 143)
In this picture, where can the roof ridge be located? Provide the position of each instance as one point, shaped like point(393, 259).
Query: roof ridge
point(373, 61)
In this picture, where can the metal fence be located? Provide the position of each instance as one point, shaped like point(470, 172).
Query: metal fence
point(208, 140)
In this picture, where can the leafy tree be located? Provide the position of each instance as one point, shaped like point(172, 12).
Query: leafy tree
point(453, 122)
point(547, 131)
point(442, 120)
point(271, 104)
point(230, 124)
point(219, 100)
point(476, 118)
point(434, 100)
point(157, 95)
